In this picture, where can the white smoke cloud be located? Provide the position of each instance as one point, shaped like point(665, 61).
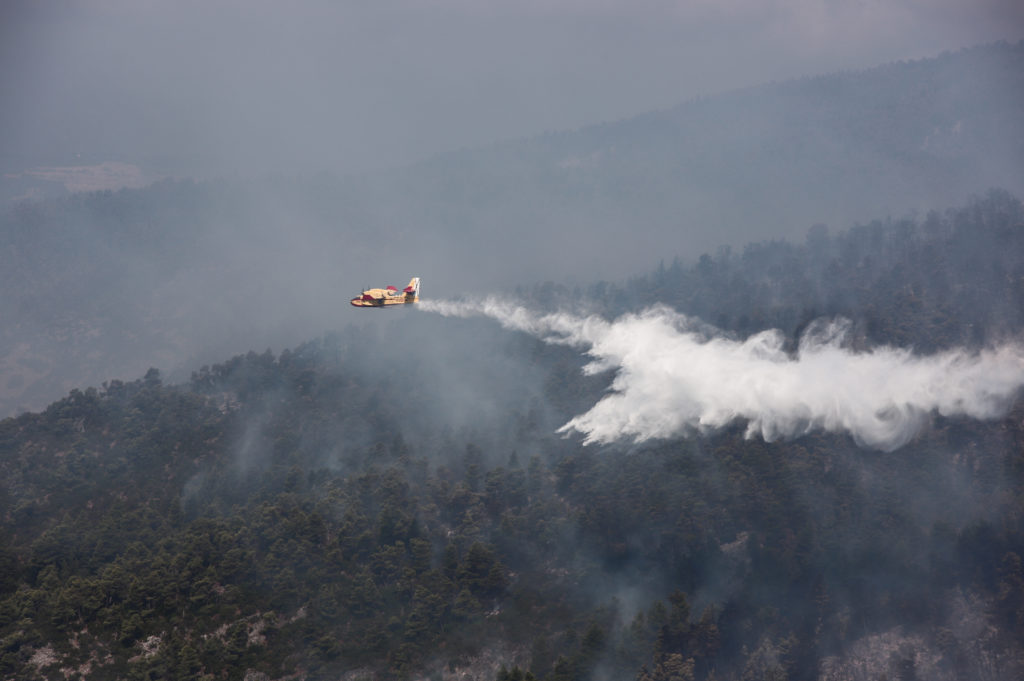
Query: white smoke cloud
point(676, 375)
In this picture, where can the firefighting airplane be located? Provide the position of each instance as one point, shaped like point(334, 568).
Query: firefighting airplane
point(382, 297)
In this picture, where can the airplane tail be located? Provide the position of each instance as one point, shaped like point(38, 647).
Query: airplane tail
point(412, 291)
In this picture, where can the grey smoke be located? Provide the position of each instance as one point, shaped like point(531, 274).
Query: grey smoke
point(675, 375)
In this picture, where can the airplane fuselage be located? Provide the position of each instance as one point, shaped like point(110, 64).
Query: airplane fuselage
point(384, 297)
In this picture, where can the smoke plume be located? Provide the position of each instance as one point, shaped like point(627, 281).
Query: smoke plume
point(674, 375)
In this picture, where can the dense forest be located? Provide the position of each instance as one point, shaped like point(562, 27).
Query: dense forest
point(392, 501)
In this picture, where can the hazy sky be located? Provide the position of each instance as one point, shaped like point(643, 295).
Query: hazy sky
point(247, 86)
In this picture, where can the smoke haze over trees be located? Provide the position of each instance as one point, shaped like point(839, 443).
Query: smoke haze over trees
point(391, 495)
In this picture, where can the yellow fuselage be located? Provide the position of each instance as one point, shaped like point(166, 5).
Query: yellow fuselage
point(382, 297)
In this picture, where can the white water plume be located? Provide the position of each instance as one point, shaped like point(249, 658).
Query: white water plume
point(674, 376)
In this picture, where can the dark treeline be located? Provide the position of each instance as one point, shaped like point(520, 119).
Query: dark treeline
point(394, 503)
point(953, 278)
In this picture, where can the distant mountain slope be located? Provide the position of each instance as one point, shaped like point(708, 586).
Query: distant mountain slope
point(771, 160)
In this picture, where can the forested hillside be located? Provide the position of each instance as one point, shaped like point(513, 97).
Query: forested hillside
point(948, 278)
point(392, 501)
point(180, 273)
